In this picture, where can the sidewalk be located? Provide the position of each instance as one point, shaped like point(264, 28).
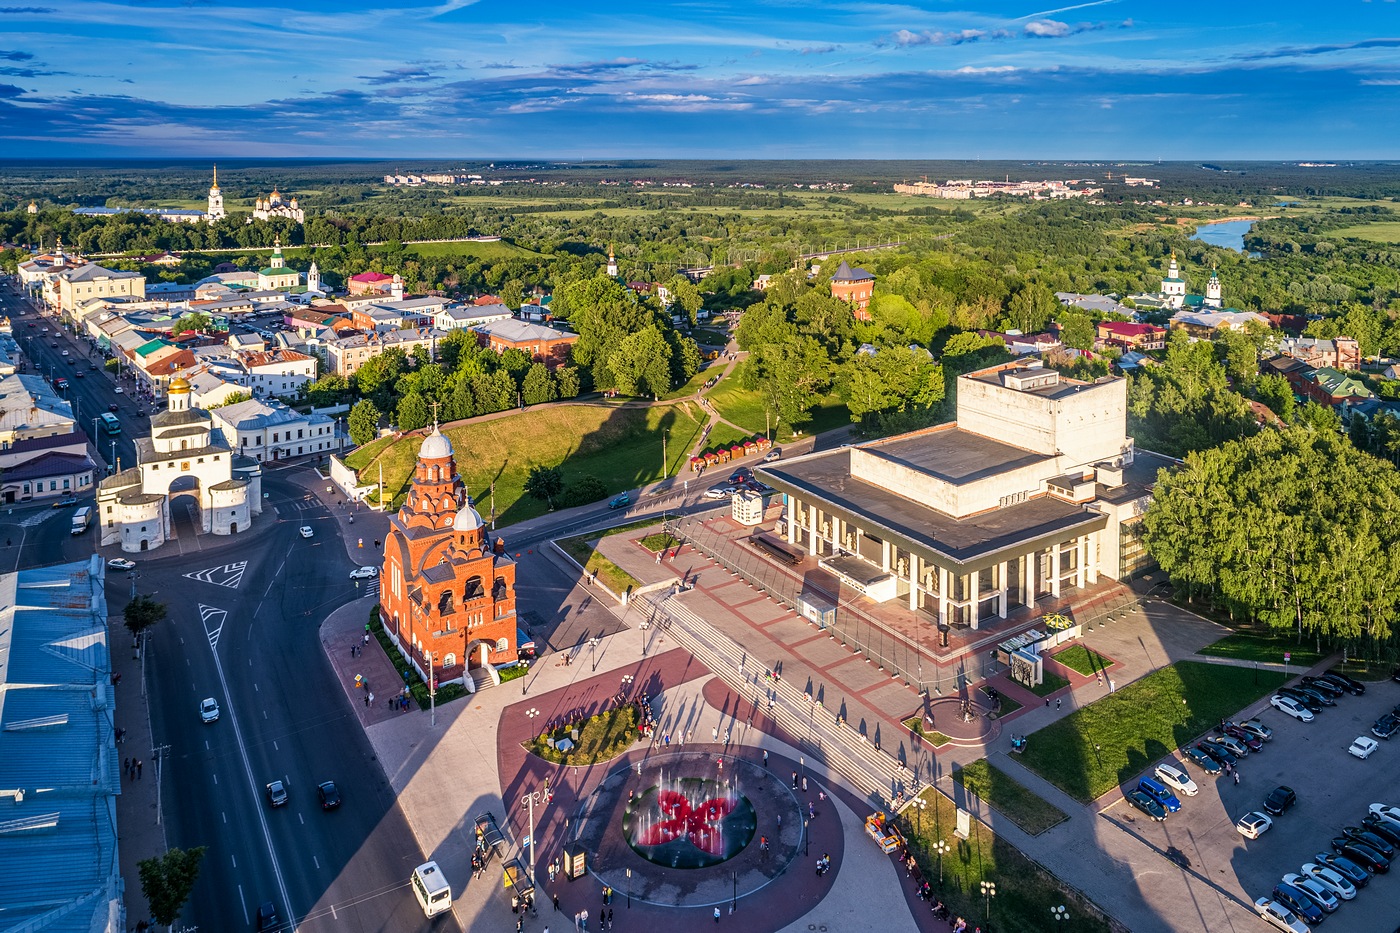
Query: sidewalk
point(138, 835)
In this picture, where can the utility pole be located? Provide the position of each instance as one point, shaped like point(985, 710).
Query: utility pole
point(157, 754)
point(381, 486)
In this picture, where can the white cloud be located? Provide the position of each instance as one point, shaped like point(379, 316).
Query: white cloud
point(1047, 29)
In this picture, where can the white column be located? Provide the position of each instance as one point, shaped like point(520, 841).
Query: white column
point(792, 519)
point(1001, 589)
point(973, 578)
point(1092, 549)
point(885, 556)
point(913, 581)
point(812, 530)
point(1080, 577)
point(1028, 564)
point(1055, 570)
point(942, 595)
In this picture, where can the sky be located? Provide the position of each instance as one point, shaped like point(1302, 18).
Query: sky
point(1119, 79)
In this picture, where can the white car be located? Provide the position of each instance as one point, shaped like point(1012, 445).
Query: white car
point(306, 531)
point(119, 390)
point(1363, 747)
point(1321, 894)
point(1331, 879)
point(716, 492)
point(1385, 810)
point(1176, 779)
point(209, 710)
point(1292, 707)
point(364, 573)
point(1254, 824)
point(121, 563)
point(1279, 916)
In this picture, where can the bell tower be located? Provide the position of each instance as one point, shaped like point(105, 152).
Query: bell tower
point(216, 199)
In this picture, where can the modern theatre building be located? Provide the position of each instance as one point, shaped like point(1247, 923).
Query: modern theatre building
point(1034, 490)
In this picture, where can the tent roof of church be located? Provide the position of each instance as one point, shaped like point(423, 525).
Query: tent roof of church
point(844, 273)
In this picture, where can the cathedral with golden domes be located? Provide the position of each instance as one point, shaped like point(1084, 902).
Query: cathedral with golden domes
point(274, 206)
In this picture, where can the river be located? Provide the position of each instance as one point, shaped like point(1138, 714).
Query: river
point(1225, 233)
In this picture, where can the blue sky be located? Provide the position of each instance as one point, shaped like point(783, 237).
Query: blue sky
point(701, 79)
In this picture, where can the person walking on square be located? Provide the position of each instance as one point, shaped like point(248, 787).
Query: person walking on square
point(139, 763)
point(716, 915)
point(556, 901)
point(765, 758)
point(1237, 777)
point(126, 766)
point(1058, 702)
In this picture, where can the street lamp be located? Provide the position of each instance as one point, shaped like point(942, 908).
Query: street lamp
point(921, 803)
point(528, 800)
point(989, 891)
point(1059, 913)
point(532, 713)
point(940, 847)
point(113, 463)
point(627, 683)
point(593, 651)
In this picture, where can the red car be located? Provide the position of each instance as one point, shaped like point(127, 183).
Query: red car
point(1251, 741)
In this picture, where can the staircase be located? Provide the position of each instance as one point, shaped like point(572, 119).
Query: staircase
point(481, 678)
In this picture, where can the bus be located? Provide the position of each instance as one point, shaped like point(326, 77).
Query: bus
point(431, 888)
point(110, 423)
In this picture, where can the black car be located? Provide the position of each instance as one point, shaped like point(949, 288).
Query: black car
point(1308, 701)
point(1298, 902)
point(1381, 827)
point(1148, 805)
point(1203, 758)
point(267, 918)
point(1323, 686)
point(1350, 684)
point(1345, 867)
point(1279, 800)
point(1370, 840)
point(1219, 752)
point(1385, 727)
point(1363, 855)
point(1316, 694)
point(330, 795)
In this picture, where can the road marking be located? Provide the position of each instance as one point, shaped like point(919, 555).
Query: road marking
point(37, 519)
point(213, 619)
point(216, 779)
point(317, 862)
point(229, 575)
point(275, 748)
point(233, 858)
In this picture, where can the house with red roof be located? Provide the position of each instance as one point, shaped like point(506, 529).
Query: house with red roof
point(1127, 335)
point(369, 283)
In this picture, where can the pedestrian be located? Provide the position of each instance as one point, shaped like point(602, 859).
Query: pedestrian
point(1058, 701)
point(716, 915)
point(794, 780)
point(811, 810)
point(610, 916)
point(366, 637)
point(551, 872)
point(1047, 702)
point(804, 784)
point(556, 894)
point(714, 733)
point(369, 698)
point(765, 758)
point(1112, 686)
point(126, 766)
point(1237, 777)
point(780, 821)
point(139, 763)
point(585, 920)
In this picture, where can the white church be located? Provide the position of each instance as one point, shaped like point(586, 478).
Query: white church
point(1173, 295)
point(183, 456)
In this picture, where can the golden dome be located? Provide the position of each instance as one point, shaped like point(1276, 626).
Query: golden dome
point(178, 384)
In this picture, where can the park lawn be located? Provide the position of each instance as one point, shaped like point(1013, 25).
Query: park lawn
point(660, 541)
point(693, 386)
point(915, 724)
point(725, 436)
point(1083, 660)
point(619, 445)
point(1025, 891)
point(584, 550)
point(1270, 649)
point(1049, 683)
point(1015, 801)
point(1112, 740)
point(747, 408)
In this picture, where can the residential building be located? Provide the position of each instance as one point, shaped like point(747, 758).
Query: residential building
point(369, 282)
point(447, 592)
point(1203, 324)
point(1025, 344)
point(1333, 387)
point(29, 408)
point(1129, 336)
point(277, 372)
point(267, 431)
point(345, 355)
point(48, 476)
point(210, 389)
point(542, 344)
point(457, 317)
point(1101, 304)
point(854, 286)
point(74, 286)
point(1339, 353)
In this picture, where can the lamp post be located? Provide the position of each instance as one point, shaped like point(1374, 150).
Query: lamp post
point(989, 891)
point(532, 713)
point(114, 457)
point(528, 801)
point(593, 651)
point(1059, 913)
point(940, 847)
point(432, 688)
point(921, 803)
point(627, 683)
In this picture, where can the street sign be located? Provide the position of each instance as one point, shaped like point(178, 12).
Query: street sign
point(1287, 656)
point(525, 843)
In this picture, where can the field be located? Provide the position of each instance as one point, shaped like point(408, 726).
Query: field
point(488, 251)
point(1385, 231)
point(1114, 739)
point(619, 445)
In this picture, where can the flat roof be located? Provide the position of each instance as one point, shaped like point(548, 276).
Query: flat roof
point(954, 455)
point(971, 543)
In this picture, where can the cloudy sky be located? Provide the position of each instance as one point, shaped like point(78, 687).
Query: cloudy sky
point(701, 78)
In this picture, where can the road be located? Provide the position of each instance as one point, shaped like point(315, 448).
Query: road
point(243, 629)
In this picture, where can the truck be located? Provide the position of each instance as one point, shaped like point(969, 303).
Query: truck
point(81, 518)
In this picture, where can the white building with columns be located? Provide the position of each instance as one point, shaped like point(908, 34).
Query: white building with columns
point(1035, 490)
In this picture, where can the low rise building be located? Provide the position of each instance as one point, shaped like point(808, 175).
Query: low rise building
point(75, 286)
point(269, 431)
point(1203, 324)
point(854, 286)
point(459, 317)
point(1126, 335)
point(30, 408)
point(277, 372)
point(1338, 353)
point(542, 344)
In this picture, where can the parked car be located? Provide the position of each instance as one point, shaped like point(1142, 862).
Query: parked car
point(1320, 696)
point(772, 455)
point(620, 501)
point(1315, 892)
point(1380, 826)
point(1362, 854)
point(1350, 684)
point(1386, 810)
point(364, 573)
point(1298, 902)
point(1323, 686)
point(1175, 778)
point(1203, 758)
point(1255, 727)
point(1385, 727)
point(276, 794)
point(1291, 707)
point(209, 709)
point(121, 563)
point(1382, 819)
point(1237, 748)
point(1310, 701)
point(329, 794)
point(1280, 799)
point(1159, 792)
point(1331, 879)
point(719, 492)
point(1280, 916)
point(305, 531)
point(1219, 752)
point(1363, 746)
point(1241, 734)
point(65, 502)
point(1147, 804)
point(1352, 871)
point(1370, 839)
point(1253, 824)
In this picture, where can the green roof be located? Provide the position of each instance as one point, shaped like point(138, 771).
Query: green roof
point(146, 349)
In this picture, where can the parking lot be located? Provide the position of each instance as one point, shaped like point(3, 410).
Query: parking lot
point(1334, 790)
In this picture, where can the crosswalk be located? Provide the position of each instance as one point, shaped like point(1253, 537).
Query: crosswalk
point(368, 587)
point(38, 518)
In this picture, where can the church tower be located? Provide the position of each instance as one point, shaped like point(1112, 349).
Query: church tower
point(1213, 297)
point(216, 199)
point(178, 395)
point(612, 263)
point(313, 278)
point(277, 261)
point(1174, 286)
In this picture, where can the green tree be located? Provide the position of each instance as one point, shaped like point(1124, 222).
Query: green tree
point(142, 613)
point(233, 398)
point(364, 422)
point(544, 484)
point(167, 880)
point(641, 365)
point(412, 412)
point(584, 490)
point(1031, 308)
point(330, 389)
point(1076, 330)
point(195, 321)
point(538, 386)
point(685, 297)
point(567, 379)
point(1274, 391)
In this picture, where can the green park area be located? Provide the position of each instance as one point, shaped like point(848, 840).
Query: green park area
point(1014, 800)
point(597, 738)
point(618, 444)
point(1265, 647)
point(1025, 891)
point(1082, 659)
point(1112, 740)
point(584, 549)
point(746, 408)
point(458, 249)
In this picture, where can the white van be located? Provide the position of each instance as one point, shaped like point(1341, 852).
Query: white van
point(431, 888)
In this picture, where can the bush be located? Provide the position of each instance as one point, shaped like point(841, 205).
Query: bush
point(583, 491)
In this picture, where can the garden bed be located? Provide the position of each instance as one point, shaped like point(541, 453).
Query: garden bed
point(600, 738)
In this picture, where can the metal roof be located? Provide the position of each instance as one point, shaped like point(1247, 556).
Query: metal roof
point(59, 769)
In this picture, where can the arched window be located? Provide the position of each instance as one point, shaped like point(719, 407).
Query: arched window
point(502, 644)
point(445, 603)
point(473, 589)
point(449, 660)
point(499, 589)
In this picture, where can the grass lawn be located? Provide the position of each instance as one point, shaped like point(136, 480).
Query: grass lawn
point(659, 541)
point(1017, 803)
point(611, 575)
point(1025, 890)
point(620, 446)
point(1081, 659)
point(1048, 685)
point(746, 408)
point(725, 436)
point(600, 738)
point(1269, 648)
point(492, 251)
point(1114, 739)
point(693, 386)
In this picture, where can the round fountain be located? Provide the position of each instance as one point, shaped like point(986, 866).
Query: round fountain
point(689, 822)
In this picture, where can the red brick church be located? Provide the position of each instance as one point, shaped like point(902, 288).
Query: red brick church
point(446, 592)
